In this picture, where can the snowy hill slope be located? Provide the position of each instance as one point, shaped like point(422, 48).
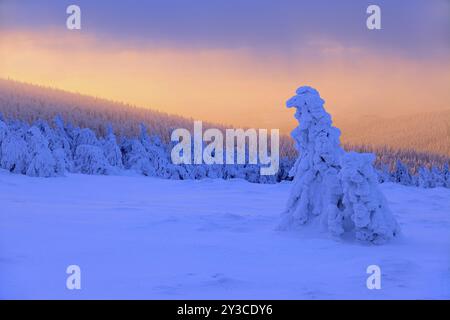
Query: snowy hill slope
point(29, 103)
point(140, 237)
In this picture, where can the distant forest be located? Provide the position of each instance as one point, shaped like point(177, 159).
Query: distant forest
point(37, 106)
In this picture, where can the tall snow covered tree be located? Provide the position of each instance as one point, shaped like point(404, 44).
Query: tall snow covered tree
point(339, 189)
point(316, 189)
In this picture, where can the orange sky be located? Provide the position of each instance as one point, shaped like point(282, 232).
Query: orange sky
point(238, 87)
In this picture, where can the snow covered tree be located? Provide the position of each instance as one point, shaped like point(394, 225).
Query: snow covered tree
point(214, 171)
point(316, 189)
point(86, 136)
point(111, 149)
point(425, 179)
point(41, 161)
point(446, 175)
point(14, 153)
point(198, 171)
point(179, 172)
point(383, 174)
point(285, 167)
point(157, 155)
point(415, 180)
point(339, 189)
point(401, 174)
point(89, 159)
point(60, 144)
point(365, 208)
point(135, 157)
point(59, 147)
point(3, 131)
point(437, 177)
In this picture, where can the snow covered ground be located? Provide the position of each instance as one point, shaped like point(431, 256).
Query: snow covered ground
point(139, 237)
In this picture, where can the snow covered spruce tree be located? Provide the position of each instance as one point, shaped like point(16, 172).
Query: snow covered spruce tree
point(88, 156)
point(59, 148)
point(437, 176)
point(340, 200)
point(41, 160)
point(3, 131)
point(446, 175)
point(60, 144)
point(13, 152)
point(425, 178)
point(135, 157)
point(316, 188)
point(157, 155)
point(365, 207)
point(111, 149)
point(401, 174)
point(383, 174)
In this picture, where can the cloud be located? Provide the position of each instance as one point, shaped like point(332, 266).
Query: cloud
point(414, 28)
point(229, 85)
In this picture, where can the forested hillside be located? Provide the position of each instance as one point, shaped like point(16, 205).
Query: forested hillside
point(427, 132)
point(47, 132)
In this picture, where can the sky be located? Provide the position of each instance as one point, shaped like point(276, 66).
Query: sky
point(235, 61)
